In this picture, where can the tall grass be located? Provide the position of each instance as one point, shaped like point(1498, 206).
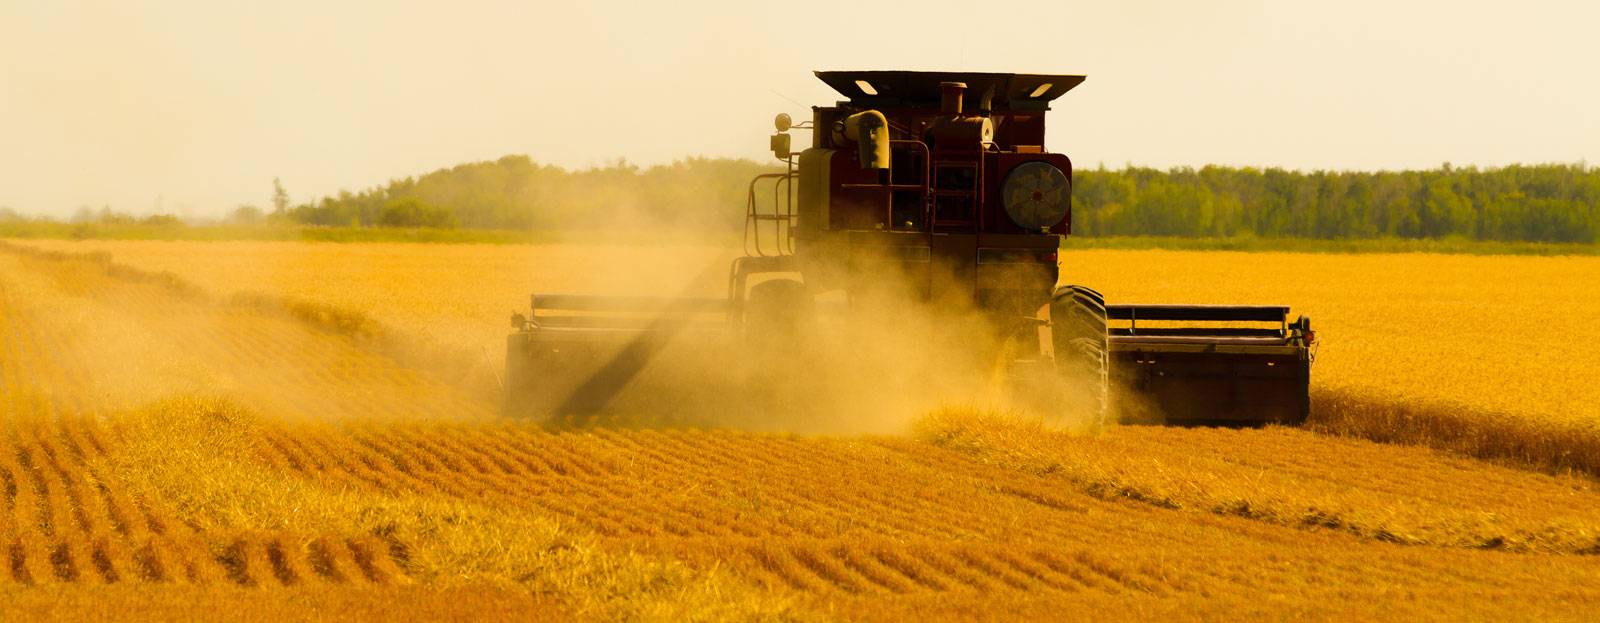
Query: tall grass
point(1552, 445)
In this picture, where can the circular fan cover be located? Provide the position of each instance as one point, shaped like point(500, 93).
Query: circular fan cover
point(1036, 195)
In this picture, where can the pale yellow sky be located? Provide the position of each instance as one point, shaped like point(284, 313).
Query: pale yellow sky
point(198, 105)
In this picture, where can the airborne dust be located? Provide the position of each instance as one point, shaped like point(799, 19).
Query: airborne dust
point(384, 334)
point(865, 364)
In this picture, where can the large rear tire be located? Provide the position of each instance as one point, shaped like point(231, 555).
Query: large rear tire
point(779, 325)
point(1078, 336)
point(779, 315)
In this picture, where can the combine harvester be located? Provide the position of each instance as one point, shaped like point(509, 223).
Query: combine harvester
point(930, 190)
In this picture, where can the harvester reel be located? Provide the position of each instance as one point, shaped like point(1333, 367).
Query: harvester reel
point(1078, 336)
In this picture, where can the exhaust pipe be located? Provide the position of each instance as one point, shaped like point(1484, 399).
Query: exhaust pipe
point(951, 94)
point(870, 130)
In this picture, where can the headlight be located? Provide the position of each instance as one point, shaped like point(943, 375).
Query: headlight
point(1036, 195)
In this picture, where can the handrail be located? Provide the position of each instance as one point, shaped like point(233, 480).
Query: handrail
point(1195, 313)
point(926, 185)
point(1242, 313)
point(782, 214)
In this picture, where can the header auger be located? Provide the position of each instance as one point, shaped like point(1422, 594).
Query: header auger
point(934, 191)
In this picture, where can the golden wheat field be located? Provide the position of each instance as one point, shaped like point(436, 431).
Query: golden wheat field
point(253, 430)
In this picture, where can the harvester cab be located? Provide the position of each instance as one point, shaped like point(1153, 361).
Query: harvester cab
point(935, 190)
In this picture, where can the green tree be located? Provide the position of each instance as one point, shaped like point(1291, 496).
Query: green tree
point(411, 212)
point(161, 220)
point(280, 197)
point(245, 215)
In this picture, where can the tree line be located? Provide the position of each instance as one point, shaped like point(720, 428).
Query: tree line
point(1516, 203)
point(1536, 203)
point(1542, 203)
point(516, 193)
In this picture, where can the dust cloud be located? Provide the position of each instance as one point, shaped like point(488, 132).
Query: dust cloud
point(97, 338)
point(868, 363)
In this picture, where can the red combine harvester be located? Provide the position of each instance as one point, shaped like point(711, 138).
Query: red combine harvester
point(934, 190)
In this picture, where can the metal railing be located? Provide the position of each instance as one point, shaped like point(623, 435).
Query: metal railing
point(781, 217)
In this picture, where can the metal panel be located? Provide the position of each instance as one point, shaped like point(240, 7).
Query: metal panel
point(631, 304)
point(1220, 386)
point(1199, 332)
point(1242, 313)
point(922, 87)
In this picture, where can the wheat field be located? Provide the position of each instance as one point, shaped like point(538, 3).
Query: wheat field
point(1482, 355)
point(310, 431)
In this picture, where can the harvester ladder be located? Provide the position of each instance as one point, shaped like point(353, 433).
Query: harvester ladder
point(972, 194)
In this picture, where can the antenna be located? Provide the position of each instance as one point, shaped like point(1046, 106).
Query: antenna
point(791, 100)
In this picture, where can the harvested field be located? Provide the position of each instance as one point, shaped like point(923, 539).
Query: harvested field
point(305, 428)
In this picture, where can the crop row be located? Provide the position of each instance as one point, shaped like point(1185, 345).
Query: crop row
point(65, 520)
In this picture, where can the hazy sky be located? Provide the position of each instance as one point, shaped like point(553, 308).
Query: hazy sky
point(199, 105)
